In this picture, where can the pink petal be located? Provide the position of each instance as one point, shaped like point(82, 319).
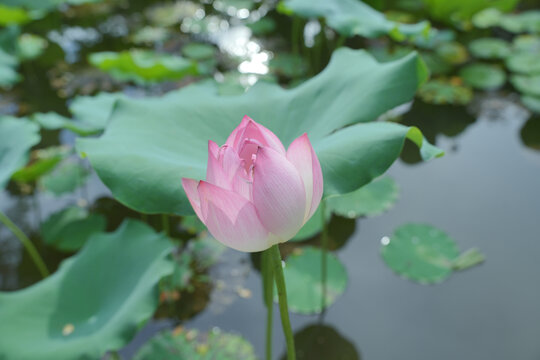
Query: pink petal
point(303, 157)
point(249, 129)
point(235, 135)
point(190, 188)
point(278, 194)
point(232, 219)
point(221, 170)
point(213, 148)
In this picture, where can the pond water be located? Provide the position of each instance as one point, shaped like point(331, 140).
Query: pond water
point(483, 193)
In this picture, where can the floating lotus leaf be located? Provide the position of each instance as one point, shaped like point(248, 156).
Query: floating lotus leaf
point(94, 303)
point(54, 121)
point(65, 178)
point(526, 63)
point(143, 66)
point(530, 132)
point(527, 21)
point(371, 199)
point(532, 103)
point(440, 91)
point(93, 112)
point(182, 344)
point(487, 18)
point(425, 254)
point(17, 136)
point(352, 17)
point(436, 65)
point(527, 84)
point(452, 53)
point(70, 228)
point(490, 48)
point(41, 162)
point(526, 43)
point(483, 76)
point(322, 342)
point(434, 38)
point(162, 138)
point(303, 278)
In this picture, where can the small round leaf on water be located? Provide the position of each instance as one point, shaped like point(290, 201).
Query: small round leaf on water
point(420, 253)
point(442, 91)
point(524, 62)
point(527, 84)
point(483, 76)
point(532, 103)
point(489, 48)
point(182, 344)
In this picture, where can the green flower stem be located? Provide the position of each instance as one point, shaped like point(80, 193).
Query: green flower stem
point(324, 252)
point(268, 291)
point(282, 296)
point(340, 41)
point(296, 35)
point(28, 245)
point(165, 226)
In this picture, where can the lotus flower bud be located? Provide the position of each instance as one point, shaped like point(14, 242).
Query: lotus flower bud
point(256, 193)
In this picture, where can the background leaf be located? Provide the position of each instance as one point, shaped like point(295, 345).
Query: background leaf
point(17, 136)
point(95, 301)
point(303, 280)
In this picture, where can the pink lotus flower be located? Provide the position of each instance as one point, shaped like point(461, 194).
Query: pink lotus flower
point(256, 194)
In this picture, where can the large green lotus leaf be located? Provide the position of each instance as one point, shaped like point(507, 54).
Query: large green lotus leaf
point(94, 303)
point(17, 136)
point(70, 228)
point(353, 17)
point(183, 344)
point(150, 144)
point(143, 66)
point(303, 278)
point(483, 76)
point(371, 199)
point(425, 254)
point(528, 84)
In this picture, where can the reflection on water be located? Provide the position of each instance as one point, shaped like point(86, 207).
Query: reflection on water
point(323, 342)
